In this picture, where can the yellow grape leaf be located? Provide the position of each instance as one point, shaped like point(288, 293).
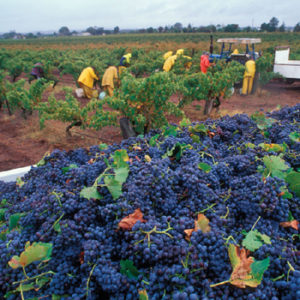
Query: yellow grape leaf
point(34, 252)
point(202, 223)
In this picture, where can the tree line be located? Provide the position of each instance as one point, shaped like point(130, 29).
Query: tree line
point(271, 26)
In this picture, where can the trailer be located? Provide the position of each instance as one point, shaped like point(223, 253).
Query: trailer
point(289, 69)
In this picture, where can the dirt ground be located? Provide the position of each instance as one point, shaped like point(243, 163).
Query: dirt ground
point(22, 143)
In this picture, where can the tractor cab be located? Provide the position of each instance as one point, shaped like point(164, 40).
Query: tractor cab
point(229, 54)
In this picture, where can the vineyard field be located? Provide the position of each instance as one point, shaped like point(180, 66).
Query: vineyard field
point(22, 142)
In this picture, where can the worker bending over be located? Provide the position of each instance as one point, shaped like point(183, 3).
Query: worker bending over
point(125, 60)
point(248, 76)
point(169, 63)
point(110, 78)
point(86, 81)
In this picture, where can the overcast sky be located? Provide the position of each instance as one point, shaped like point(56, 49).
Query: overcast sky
point(50, 15)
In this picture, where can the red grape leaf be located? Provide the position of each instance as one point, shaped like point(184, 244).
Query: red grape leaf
point(246, 271)
point(292, 224)
point(200, 224)
point(128, 222)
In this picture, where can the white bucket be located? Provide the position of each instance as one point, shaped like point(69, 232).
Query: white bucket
point(79, 92)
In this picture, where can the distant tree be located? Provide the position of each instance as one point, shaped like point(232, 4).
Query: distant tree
point(177, 27)
point(160, 29)
point(30, 36)
point(9, 35)
point(273, 24)
point(150, 30)
point(264, 27)
point(64, 31)
point(281, 27)
point(297, 27)
point(116, 29)
point(232, 28)
point(247, 29)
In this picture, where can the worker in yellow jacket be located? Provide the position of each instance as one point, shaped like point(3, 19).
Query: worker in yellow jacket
point(169, 63)
point(86, 82)
point(167, 55)
point(109, 79)
point(125, 60)
point(248, 76)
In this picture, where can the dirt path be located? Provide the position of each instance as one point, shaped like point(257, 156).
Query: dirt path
point(22, 143)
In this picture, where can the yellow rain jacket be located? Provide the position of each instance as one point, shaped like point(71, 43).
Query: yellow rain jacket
point(167, 55)
point(109, 76)
point(235, 51)
point(87, 77)
point(248, 77)
point(127, 57)
point(179, 51)
point(169, 63)
point(250, 68)
point(189, 63)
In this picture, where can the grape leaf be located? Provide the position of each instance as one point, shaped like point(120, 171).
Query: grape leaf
point(262, 122)
point(143, 295)
point(272, 147)
point(114, 187)
point(184, 122)
point(293, 179)
point(67, 169)
point(2, 214)
point(170, 131)
point(128, 269)
point(292, 224)
point(128, 222)
point(254, 240)
point(205, 167)
point(200, 224)
point(147, 158)
point(90, 193)
point(35, 252)
point(103, 146)
point(246, 271)
point(275, 166)
point(198, 128)
point(295, 136)
point(120, 158)
point(13, 220)
point(121, 175)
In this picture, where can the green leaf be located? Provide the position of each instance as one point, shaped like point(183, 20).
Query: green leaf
point(290, 217)
point(198, 128)
point(295, 136)
point(128, 269)
point(59, 297)
point(57, 228)
point(35, 252)
point(258, 267)
point(262, 121)
point(20, 182)
point(120, 158)
point(90, 193)
point(114, 186)
point(254, 240)
point(153, 140)
point(272, 147)
point(2, 214)
point(293, 179)
point(170, 131)
point(121, 174)
point(205, 167)
point(13, 220)
point(195, 138)
point(184, 122)
point(275, 166)
point(67, 169)
point(103, 146)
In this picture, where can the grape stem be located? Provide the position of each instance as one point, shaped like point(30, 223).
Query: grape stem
point(219, 283)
